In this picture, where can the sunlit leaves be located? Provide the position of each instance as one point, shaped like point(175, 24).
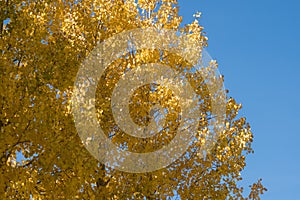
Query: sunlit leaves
point(41, 50)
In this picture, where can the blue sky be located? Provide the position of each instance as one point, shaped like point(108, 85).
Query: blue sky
point(257, 46)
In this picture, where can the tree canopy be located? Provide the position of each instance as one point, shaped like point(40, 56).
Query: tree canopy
point(42, 46)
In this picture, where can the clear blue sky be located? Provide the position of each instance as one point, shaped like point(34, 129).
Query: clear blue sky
point(257, 46)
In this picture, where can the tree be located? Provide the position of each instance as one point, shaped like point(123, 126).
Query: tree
point(43, 44)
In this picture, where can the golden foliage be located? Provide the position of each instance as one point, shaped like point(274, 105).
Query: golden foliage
point(42, 47)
